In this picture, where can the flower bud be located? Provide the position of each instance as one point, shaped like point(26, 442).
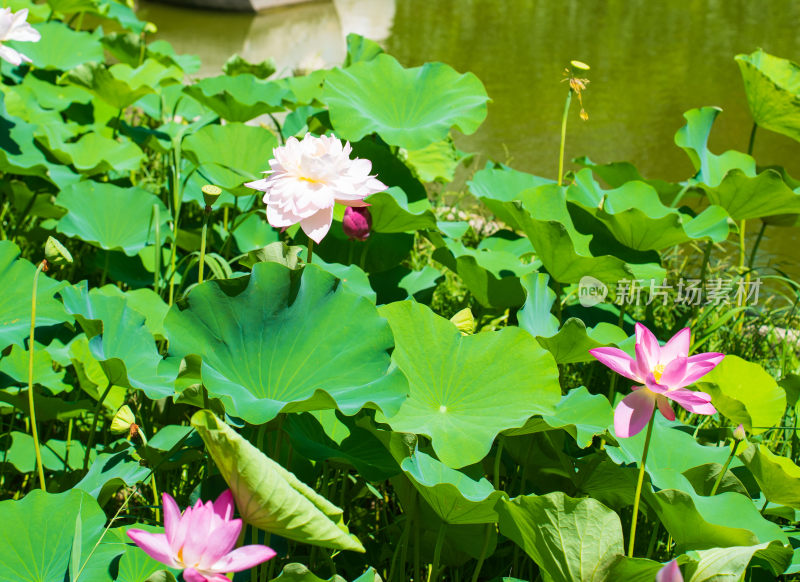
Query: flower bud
point(55, 252)
point(123, 420)
point(739, 433)
point(670, 573)
point(210, 194)
point(357, 222)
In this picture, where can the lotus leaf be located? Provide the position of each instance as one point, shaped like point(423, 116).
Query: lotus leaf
point(49, 52)
point(454, 497)
point(778, 477)
point(410, 108)
point(120, 341)
point(239, 98)
point(15, 303)
point(772, 85)
point(454, 379)
point(571, 540)
point(285, 344)
point(745, 393)
point(93, 215)
point(268, 496)
point(42, 553)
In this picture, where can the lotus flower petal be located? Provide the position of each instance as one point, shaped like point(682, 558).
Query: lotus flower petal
point(634, 412)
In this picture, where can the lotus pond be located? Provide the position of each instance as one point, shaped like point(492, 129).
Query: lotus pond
point(581, 374)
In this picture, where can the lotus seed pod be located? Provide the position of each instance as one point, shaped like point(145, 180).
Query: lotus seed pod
point(123, 420)
point(56, 253)
point(210, 194)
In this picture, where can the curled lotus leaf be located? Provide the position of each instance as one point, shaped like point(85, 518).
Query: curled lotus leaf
point(268, 496)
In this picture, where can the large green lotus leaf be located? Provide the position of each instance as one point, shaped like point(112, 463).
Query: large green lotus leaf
point(239, 98)
point(93, 153)
point(109, 472)
point(693, 139)
point(230, 155)
point(638, 219)
point(417, 282)
point(110, 216)
point(391, 212)
point(410, 108)
point(50, 53)
point(772, 86)
point(287, 341)
point(778, 477)
point(581, 414)
point(495, 186)
point(15, 365)
point(91, 374)
point(492, 275)
point(47, 407)
point(745, 197)
point(634, 569)
point(122, 85)
point(15, 303)
point(572, 342)
point(718, 564)
point(38, 547)
point(145, 301)
point(252, 232)
point(310, 437)
point(571, 540)
point(268, 496)
point(454, 497)
point(454, 379)
point(616, 174)
point(745, 393)
point(121, 342)
point(565, 252)
point(696, 522)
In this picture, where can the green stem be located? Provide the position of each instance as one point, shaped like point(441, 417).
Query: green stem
point(35, 434)
point(755, 246)
point(639, 482)
point(104, 275)
point(486, 537)
point(433, 573)
point(157, 250)
point(253, 540)
point(310, 253)
point(497, 459)
point(724, 469)
point(94, 426)
point(563, 137)
point(752, 141)
point(206, 215)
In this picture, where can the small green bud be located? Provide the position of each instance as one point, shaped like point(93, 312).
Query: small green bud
point(56, 253)
point(739, 433)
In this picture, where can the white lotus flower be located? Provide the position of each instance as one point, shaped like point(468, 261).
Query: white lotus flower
point(14, 27)
point(308, 177)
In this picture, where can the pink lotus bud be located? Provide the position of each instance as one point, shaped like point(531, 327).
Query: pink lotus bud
point(669, 573)
point(739, 434)
point(357, 222)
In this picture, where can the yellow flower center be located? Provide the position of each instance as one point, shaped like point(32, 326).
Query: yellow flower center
point(310, 180)
point(657, 371)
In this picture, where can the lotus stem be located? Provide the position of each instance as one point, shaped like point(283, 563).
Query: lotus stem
point(206, 215)
point(639, 482)
point(724, 468)
point(752, 141)
point(310, 253)
point(253, 540)
point(752, 260)
point(39, 468)
point(498, 457)
point(484, 547)
point(94, 426)
point(433, 573)
point(157, 250)
point(563, 137)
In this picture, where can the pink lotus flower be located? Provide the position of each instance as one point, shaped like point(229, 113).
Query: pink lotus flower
point(13, 26)
point(357, 223)
point(669, 573)
point(665, 372)
point(201, 540)
point(308, 177)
